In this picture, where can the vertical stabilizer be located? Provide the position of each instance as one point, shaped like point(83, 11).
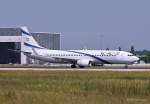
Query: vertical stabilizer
point(28, 41)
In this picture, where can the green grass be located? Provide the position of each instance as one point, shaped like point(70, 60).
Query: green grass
point(74, 87)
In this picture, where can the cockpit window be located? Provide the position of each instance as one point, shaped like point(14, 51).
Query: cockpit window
point(130, 55)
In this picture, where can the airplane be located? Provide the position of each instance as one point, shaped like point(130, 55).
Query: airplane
point(77, 58)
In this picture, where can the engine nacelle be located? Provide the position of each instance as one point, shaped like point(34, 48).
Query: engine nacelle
point(83, 62)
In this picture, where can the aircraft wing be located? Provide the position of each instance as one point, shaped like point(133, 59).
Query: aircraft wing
point(65, 60)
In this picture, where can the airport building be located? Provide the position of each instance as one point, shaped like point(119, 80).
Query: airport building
point(11, 38)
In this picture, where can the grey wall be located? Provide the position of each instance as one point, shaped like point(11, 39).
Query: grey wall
point(10, 32)
point(48, 40)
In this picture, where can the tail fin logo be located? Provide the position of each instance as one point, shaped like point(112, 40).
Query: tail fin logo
point(27, 39)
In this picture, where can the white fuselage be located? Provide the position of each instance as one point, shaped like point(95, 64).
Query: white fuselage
point(94, 56)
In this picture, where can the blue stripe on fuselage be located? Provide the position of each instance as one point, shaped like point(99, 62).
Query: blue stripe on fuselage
point(92, 57)
point(33, 46)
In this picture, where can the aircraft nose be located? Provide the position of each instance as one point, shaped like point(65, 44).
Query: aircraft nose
point(136, 59)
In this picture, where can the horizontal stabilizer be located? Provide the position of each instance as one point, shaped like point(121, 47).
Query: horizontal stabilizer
point(18, 51)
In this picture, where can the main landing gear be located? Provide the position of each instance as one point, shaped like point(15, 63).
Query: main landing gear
point(81, 66)
point(126, 66)
point(73, 66)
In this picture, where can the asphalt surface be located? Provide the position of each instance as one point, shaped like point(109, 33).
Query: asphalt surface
point(135, 67)
point(69, 69)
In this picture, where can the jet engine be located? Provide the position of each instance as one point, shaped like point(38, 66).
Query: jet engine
point(83, 62)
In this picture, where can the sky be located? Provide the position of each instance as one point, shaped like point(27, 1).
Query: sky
point(90, 24)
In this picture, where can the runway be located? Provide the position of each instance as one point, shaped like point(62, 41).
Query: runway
point(130, 68)
point(70, 69)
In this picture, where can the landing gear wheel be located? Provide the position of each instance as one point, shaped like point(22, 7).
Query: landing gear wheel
point(126, 66)
point(81, 66)
point(73, 66)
